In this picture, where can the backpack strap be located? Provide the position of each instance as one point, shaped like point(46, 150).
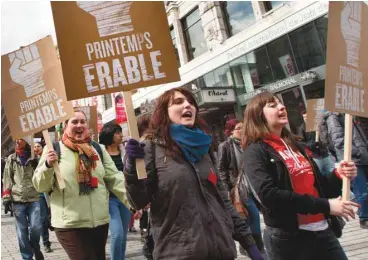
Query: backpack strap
point(95, 145)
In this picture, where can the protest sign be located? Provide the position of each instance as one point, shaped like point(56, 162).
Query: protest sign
point(315, 108)
point(347, 58)
point(107, 47)
point(32, 89)
point(347, 67)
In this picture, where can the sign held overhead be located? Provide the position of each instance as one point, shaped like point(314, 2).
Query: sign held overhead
point(32, 89)
point(113, 46)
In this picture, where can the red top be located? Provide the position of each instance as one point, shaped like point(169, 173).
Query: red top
point(301, 173)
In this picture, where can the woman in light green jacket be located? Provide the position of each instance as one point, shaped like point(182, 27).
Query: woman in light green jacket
point(80, 213)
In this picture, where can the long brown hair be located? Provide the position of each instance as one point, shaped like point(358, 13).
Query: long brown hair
point(255, 123)
point(160, 121)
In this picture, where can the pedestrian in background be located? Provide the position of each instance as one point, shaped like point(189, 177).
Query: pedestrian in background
point(80, 212)
point(191, 214)
point(333, 131)
point(294, 195)
point(25, 200)
point(111, 137)
point(44, 207)
point(320, 153)
point(229, 165)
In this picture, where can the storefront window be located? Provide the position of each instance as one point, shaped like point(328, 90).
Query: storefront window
point(281, 58)
point(194, 34)
point(238, 15)
point(207, 80)
point(307, 48)
point(242, 75)
point(259, 67)
point(295, 107)
point(315, 90)
point(223, 76)
point(107, 101)
point(321, 25)
point(173, 38)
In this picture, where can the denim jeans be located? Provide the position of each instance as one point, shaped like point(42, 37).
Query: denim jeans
point(302, 245)
point(119, 221)
point(25, 213)
point(360, 189)
point(325, 165)
point(254, 219)
point(44, 221)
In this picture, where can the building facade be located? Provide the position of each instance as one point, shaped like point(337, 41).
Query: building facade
point(227, 52)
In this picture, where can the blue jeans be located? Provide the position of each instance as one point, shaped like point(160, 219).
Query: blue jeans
point(325, 165)
point(360, 189)
point(44, 221)
point(254, 219)
point(119, 222)
point(25, 213)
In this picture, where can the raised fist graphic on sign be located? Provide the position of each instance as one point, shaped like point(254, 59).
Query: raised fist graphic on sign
point(111, 17)
point(351, 17)
point(26, 69)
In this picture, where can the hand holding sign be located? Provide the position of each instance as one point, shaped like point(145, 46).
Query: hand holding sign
point(351, 29)
point(111, 17)
point(26, 69)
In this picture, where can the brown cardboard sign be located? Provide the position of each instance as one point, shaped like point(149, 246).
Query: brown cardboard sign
point(32, 89)
point(347, 58)
point(107, 47)
point(316, 109)
point(91, 114)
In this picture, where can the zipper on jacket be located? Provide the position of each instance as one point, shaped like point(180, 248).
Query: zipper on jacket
point(93, 218)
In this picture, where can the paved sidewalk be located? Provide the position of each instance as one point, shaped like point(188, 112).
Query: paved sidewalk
point(354, 241)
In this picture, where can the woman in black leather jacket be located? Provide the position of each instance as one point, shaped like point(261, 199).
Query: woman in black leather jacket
point(293, 193)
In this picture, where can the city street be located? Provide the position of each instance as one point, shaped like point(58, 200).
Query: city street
point(354, 241)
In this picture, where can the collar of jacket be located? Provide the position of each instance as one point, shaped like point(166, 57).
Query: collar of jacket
point(15, 158)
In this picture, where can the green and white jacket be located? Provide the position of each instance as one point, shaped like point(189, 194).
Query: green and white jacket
point(68, 208)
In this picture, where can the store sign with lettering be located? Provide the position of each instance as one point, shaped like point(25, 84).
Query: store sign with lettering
point(107, 47)
point(218, 95)
point(347, 62)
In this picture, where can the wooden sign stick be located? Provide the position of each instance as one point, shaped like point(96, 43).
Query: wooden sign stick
point(133, 131)
point(317, 136)
point(50, 147)
point(32, 147)
point(347, 154)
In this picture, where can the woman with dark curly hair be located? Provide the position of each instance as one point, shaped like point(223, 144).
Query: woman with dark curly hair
point(191, 214)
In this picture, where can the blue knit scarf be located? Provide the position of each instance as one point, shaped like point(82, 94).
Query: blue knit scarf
point(194, 143)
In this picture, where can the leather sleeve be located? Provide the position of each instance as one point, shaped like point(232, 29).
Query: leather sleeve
point(141, 192)
point(224, 165)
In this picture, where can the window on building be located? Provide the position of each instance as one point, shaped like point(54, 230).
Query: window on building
point(238, 15)
point(194, 34)
point(107, 101)
point(307, 47)
point(281, 58)
point(315, 90)
point(259, 67)
point(269, 5)
point(223, 76)
point(173, 38)
point(242, 75)
point(321, 25)
point(208, 80)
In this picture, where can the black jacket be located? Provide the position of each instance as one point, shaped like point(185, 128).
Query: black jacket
point(227, 165)
point(271, 183)
point(332, 133)
point(309, 140)
point(191, 217)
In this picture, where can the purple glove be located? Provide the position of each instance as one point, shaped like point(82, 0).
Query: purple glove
point(134, 149)
point(254, 253)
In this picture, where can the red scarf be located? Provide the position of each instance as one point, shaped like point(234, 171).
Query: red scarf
point(86, 163)
point(301, 173)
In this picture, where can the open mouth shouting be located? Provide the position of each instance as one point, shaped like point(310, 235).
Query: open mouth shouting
point(187, 115)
